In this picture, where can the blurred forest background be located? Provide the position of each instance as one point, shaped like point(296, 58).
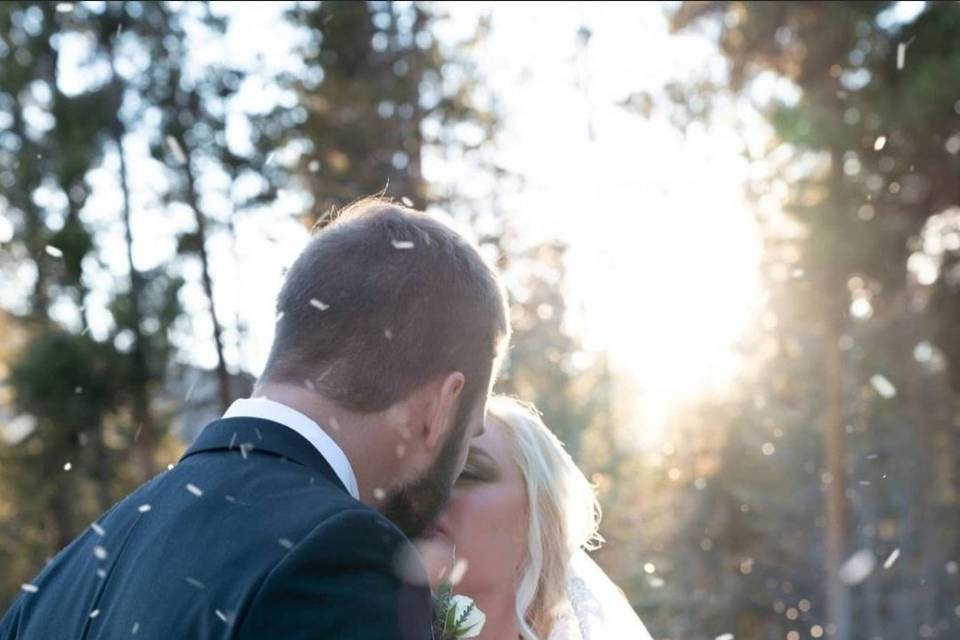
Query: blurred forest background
point(816, 497)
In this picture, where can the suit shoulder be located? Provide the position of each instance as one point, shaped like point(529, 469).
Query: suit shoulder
point(359, 566)
point(359, 529)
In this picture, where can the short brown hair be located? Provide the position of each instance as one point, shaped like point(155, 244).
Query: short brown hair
point(383, 300)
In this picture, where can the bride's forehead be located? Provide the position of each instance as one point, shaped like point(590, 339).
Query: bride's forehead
point(497, 444)
point(494, 433)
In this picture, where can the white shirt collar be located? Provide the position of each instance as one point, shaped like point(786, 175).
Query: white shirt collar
point(267, 409)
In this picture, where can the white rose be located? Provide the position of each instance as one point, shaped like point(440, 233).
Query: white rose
point(471, 626)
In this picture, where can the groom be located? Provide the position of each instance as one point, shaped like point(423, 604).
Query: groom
point(290, 516)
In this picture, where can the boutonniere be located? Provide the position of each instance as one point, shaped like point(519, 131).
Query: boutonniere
point(455, 617)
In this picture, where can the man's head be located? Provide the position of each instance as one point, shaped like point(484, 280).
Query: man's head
point(386, 310)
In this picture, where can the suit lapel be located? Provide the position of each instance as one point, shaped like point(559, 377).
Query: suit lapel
point(249, 435)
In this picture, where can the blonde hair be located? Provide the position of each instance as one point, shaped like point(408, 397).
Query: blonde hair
point(563, 514)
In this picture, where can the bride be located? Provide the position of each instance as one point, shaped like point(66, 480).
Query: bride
point(514, 535)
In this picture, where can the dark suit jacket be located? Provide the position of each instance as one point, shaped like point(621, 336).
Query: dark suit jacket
point(250, 536)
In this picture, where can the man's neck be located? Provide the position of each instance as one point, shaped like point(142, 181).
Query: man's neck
point(353, 432)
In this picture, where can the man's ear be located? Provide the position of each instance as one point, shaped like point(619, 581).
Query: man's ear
point(443, 408)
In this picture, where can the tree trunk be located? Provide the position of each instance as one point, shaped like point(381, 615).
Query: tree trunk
point(34, 234)
point(922, 538)
point(838, 597)
point(60, 507)
point(223, 377)
point(241, 327)
point(145, 440)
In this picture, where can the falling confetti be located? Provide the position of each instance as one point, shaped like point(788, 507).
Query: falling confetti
point(388, 334)
point(319, 305)
point(136, 628)
point(143, 508)
point(280, 316)
point(221, 615)
point(902, 53)
point(407, 201)
point(334, 424)
point(97, 529)
point(190, 391)
point(100, 553)
point(269, 159)
point(67, 466)
point(194, 489)
point(858, 567)
point(19, 428)
point(314, 166)
point(883, 386)
point(64, 7)
point(724, 636)
point(879, 143)
point(323, 375)
point(458, 571)
point(53, 251)
point(379, 493)
point(170, 467)
point(952, 568)
point(892, 558)
point(176, 150)
point(286, 544)
point(230, 499)
point(101, 573)
point(402, 244)
point(95, 613)
point(193, 582)
point(29, 588)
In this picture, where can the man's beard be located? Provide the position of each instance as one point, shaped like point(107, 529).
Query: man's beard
point(415, 506)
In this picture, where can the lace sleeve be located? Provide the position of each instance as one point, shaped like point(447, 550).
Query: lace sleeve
point(566, 626)
point(596, 609)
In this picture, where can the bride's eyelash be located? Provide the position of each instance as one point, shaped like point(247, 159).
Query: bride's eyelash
point(473, 473)
point(469, 474)
point(477, 473)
